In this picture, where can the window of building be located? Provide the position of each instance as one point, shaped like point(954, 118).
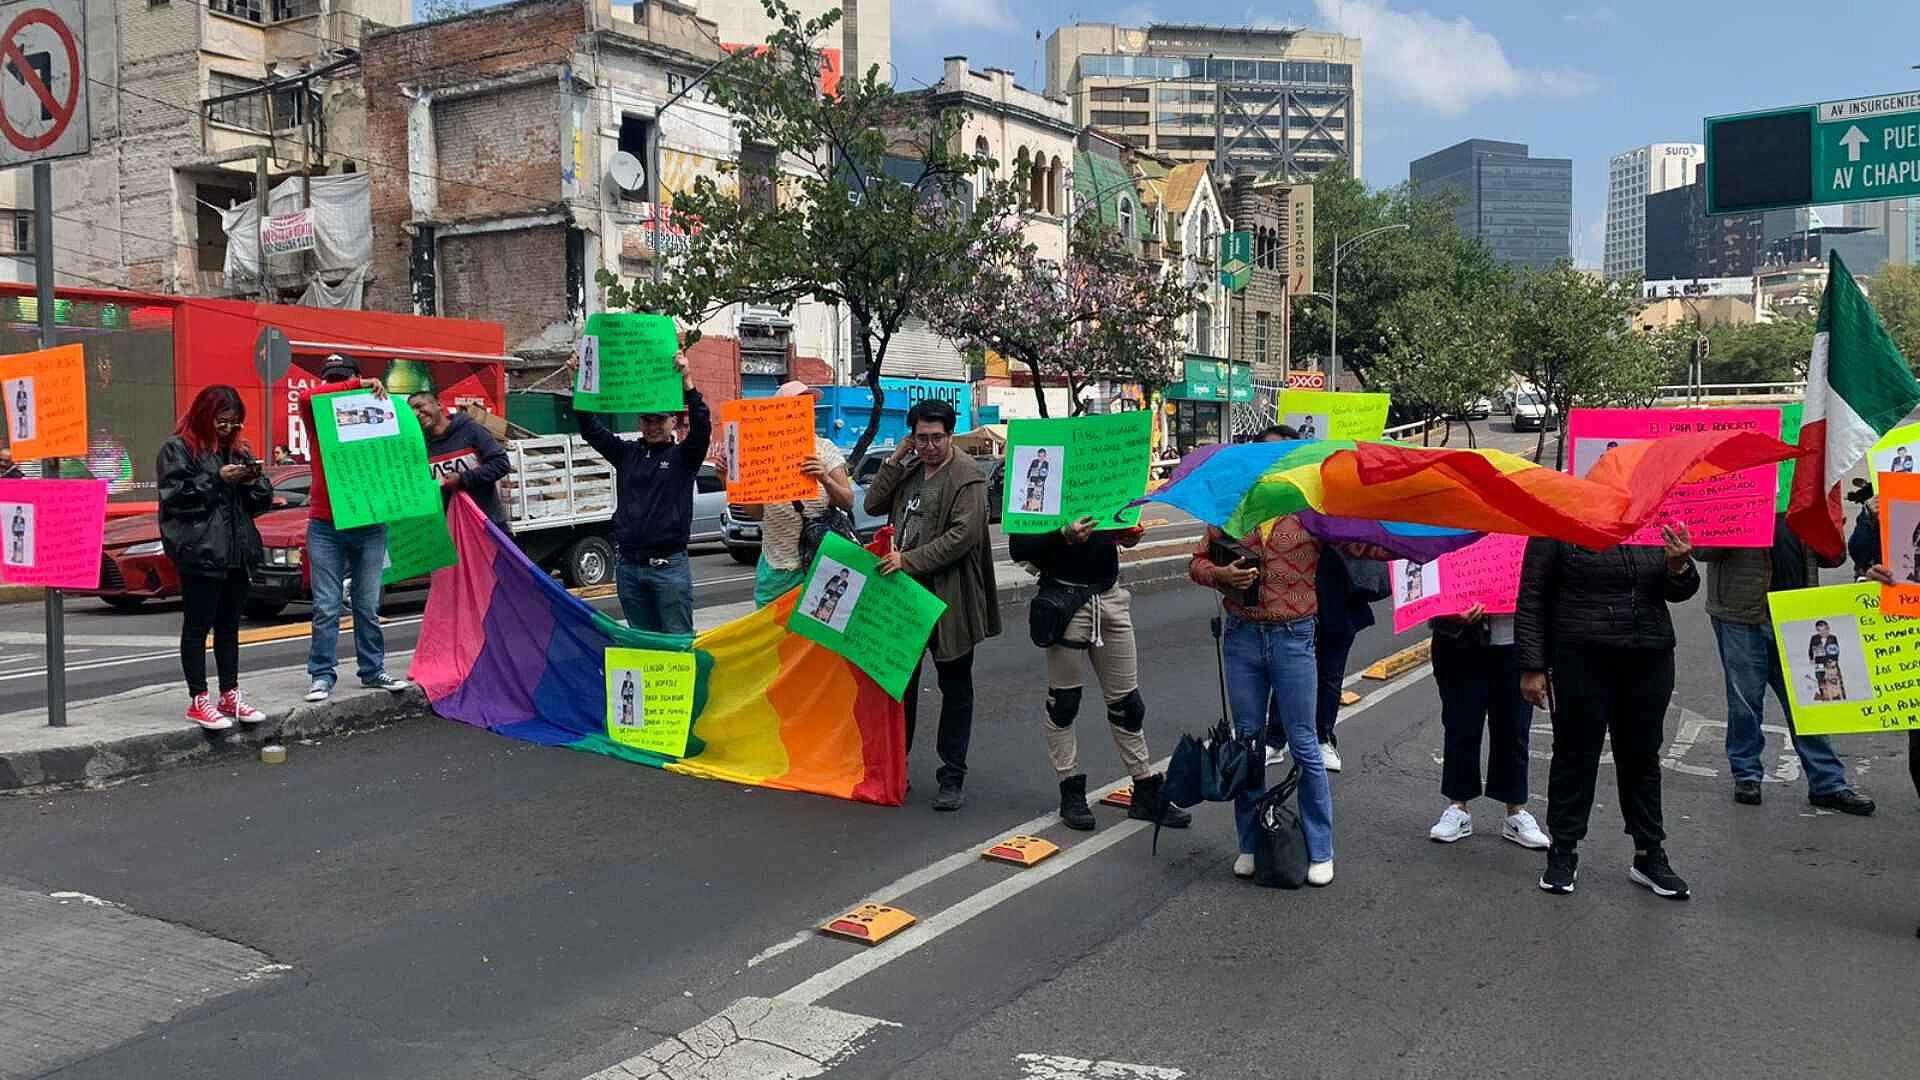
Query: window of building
point(21, 233)
point(294, 9)
point(1124, 215)
point(248, 112)
point(634, 133)
point(249, 10)
point(1118, 118)
point(1260, 337)
point(757, 186)
point(1120, 93)
point(1203, 329)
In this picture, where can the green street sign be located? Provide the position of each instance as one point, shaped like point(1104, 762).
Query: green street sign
point(1236, 259)
point(1857, 150)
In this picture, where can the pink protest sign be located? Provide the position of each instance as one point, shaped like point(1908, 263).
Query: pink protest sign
point(50, 532)
point(1485, 572)
point(1735, 510)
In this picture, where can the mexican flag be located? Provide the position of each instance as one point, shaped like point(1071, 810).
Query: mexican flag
point(1858, 388)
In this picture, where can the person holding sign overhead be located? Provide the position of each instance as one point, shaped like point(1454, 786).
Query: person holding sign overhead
point(1596, 645)
point(335, 555)
point(653, 515)
point(936, 501)
point(781, 568)
point(211, 489)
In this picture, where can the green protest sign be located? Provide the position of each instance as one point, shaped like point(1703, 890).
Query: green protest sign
point(1789, 433)
point(415, 547)
point(1850, 668)
point(1059, 471)
point(626, 365)
point(375, 459)
point(881, 623)
point(650, 699)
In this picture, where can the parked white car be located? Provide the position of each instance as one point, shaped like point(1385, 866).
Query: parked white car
point(1532, 411)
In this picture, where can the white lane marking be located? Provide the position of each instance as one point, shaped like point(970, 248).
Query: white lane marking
point(930, 929)
point(80, 897)
point(1058, 1067)
point(752, 1039)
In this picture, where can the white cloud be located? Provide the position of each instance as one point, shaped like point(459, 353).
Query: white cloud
point(1446, 65)
point(941, 16)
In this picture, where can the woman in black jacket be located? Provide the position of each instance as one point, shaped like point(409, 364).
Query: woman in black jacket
point(1595, 645)
point(211, 488)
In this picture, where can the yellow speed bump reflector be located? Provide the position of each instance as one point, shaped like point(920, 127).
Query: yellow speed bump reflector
point(869, 924)
point(1120, 797)
point(1401, 662)
point(1349, 697)
point(1021, 850)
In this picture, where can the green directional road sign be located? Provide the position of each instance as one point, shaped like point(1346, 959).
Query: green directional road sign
point(1856, 150)
point(1236, 259)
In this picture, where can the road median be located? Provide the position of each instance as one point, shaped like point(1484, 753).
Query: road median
point(142, 731)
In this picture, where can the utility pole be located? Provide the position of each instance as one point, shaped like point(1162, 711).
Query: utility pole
point(55, 602)
point(260, 220)
point(1333, 330)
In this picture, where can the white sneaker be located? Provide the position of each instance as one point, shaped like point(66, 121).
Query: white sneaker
point(1243, 865)
point(1331, 756)
point(1454, 824)
point(1276, 754)
point(321, 690)
point(1320, 873)
point(1523, 830)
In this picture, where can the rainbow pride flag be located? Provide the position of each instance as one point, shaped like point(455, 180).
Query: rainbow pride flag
point(1239, 488)
point(506, 648)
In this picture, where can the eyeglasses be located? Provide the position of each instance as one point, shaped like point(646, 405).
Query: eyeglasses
point(228, 425)
point(934, 439)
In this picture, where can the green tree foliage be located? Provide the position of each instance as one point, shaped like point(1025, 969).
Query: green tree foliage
point(1444, 353)
point(1776, 351)
point(1895, 292)
point(834, 223)
point(1430, 254)
point(1572, 338)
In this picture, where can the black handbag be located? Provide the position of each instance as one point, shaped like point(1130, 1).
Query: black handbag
point(814, 529)
point(1052, 609)
point(1280, 858)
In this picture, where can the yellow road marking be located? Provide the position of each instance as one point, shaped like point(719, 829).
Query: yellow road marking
point(1401, 662)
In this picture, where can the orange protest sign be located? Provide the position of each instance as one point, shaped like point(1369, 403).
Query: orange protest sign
point(766, 440)
point(45, 396)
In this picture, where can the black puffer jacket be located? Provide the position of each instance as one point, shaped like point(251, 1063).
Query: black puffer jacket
point(1570, 596)
point(206, 524)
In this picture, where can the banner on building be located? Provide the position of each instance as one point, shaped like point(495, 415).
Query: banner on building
point(285, 234)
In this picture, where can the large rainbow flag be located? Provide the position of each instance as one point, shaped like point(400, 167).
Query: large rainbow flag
point(1239, 488)
point(506, 648)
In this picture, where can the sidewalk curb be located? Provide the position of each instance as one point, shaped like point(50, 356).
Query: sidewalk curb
point(96, 764)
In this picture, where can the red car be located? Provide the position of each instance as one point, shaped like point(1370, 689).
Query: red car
point(134, 568)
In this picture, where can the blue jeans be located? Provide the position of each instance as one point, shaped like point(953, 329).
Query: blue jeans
point(657, 598)
point(1275, 661)
point(334, 555)
point(1752, 663)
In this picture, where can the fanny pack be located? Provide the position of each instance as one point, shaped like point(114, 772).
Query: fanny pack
point(1053, 608)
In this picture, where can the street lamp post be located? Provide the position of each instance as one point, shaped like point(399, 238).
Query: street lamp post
point(1333, 338)
point(653, 154)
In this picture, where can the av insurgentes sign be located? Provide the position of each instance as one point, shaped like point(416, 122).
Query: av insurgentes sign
point(1856, 150)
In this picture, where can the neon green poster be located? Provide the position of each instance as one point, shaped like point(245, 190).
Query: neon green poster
point(1895, 452)
point(375, 459)
point(626, 365)
point(415, 547)
point(1849, 669)
point(650, 699)
point(1059, 471)
point(881, 623)
point(1325, 414)
point(1789, 433)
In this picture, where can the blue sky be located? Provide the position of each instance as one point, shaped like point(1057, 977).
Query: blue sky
point(1582, 81)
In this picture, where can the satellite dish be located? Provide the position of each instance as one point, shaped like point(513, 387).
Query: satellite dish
point(628, 174)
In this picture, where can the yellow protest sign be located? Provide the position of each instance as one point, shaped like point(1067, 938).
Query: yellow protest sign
point(1326, 414)
point(1849, 668)
point(1894, 453)
point(650, 699)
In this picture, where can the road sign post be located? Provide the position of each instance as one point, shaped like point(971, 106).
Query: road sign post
point(1857, 150)
point(43, 116)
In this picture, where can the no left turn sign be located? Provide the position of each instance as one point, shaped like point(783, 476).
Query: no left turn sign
point(43, 80)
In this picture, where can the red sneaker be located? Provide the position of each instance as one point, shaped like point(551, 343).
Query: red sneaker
point(201, 711)
point(234, 704)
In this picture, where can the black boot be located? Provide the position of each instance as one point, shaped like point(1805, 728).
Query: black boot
point(1150, 805)
point(1073, 803)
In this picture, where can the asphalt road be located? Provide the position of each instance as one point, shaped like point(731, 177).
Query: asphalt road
point(449, 903)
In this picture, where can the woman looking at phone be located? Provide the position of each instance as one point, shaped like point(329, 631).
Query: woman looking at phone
point(211, 489)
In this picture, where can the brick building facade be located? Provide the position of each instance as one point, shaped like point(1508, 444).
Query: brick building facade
point(508, 119)
point(1260, 323)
